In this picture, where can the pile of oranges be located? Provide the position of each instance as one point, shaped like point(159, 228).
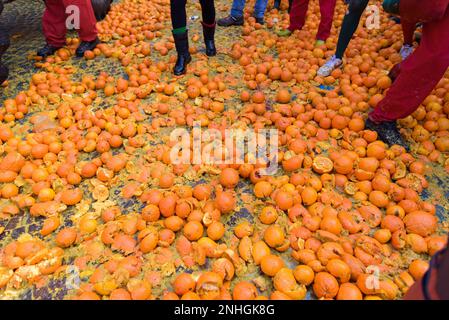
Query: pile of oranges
point(342, 208)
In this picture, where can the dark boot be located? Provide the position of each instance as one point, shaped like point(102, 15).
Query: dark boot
point(277, 4)
point(230, 21)
point(47, 50)
point(260, 20)
point(209, 36)
point(85, 46)
point(387, 132)
point(182, 47)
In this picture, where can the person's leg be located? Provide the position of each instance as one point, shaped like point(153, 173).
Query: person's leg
point(208, 13)
point(259, 8)
point(277, 4)
point(180, 35)
point(178, 15)
point(53, 23)
point(298, 14)
point(290, 2)
point(88, 30)
point(237, 8)
point(408, 31)
point(101, 8)
point(235, 18)
point(327, 8)
point(419, 74)
point(349, 25)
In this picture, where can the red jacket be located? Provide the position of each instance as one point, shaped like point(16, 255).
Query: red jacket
point(423, 10)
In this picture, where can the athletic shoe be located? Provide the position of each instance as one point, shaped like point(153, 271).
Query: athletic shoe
point(405, 51)
point(330, 65)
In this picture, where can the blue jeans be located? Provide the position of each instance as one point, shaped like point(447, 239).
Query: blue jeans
point(239, 5)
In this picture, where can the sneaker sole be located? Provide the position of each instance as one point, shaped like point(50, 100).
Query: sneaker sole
point(339, 67)
point(230, 25)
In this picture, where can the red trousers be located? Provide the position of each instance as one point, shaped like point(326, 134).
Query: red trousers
point(55, 16)
point(408, 30)
point(419, 74)
point(298, 16)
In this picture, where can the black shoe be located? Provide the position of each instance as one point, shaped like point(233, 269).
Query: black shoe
point(47, 50)
point(230, 21)
point(209, 36)
point(387, 132)
point(184, 58)
point(260, 20)
point(85, 46)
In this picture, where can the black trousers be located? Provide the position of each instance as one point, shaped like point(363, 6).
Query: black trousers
point(179, 16)
point(349, 25)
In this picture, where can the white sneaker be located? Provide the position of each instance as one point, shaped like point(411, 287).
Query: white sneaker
point(330, 65)
point(405, 51)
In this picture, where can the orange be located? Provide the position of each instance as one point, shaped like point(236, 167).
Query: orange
point(339, 269)
point(271, 264)
point(71, 197)
point(183, 284)
point(229, 177)
point(325, 285)
point(418, 268)
point(225, 202)
point(349, 291)
point(193, 230)
point(274, 236)
point(244, 290)
point(268, 215)
point(262, 189)
point(304, 274)
point(215, 230)
point(66, 237)
point(343, 165)
point(284, 200)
